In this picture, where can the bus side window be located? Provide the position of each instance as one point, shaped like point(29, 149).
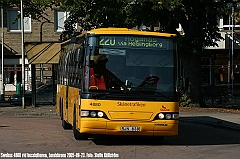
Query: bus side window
point(78, 75)
point(78, 60)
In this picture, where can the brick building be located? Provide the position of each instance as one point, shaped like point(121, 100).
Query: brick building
point(41, 49)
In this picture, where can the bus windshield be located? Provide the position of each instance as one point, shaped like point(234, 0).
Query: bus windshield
point(131, 63)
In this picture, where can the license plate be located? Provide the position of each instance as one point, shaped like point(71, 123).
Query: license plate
point(130, 128)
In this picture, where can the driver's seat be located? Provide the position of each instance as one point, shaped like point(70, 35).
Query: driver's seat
point(96, 82)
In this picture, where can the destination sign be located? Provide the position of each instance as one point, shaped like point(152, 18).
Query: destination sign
point(133, 41)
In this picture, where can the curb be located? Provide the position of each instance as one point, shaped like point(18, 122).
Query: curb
point(34, 114)
point(29, 111)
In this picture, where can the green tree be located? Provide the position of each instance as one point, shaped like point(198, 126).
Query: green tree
point(199, 19)
point(35, 8)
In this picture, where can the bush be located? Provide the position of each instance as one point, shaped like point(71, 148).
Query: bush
point(184, 100)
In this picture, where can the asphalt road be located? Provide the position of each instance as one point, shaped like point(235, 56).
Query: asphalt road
point(37, 132)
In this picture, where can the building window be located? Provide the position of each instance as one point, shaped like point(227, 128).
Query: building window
point(11, 72)
point(227, 23)
point(16, 26)
point(59, 18)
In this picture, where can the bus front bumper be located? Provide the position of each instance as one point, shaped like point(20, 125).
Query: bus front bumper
point(146, 128)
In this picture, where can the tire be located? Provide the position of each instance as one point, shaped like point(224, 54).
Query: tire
point(76, 133)
point(66, 125)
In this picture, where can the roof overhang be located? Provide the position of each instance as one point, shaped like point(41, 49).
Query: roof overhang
point(43, 53)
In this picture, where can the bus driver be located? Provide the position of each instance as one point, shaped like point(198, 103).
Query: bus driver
point(100, 69)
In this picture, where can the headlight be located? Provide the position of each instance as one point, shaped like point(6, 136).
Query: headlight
point(175, 116)
point(93, 114)
point(100, 114)
point(168, 116)
point(84, 113)
point(161, 115)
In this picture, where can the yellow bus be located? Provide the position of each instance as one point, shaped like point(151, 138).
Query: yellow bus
point(119, 81)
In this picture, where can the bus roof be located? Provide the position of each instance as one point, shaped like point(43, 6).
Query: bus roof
point(121, 31)
point(126, 31)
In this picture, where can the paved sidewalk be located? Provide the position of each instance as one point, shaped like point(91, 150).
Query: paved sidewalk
point(41, 110)
point(230, 121)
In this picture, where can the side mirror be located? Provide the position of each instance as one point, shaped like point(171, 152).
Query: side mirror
point(73, 39)
point(79, 55)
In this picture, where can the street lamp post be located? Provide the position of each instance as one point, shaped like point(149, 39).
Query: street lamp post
point(23, 57)
point(232, 50)
point(2, 89)
point(232, 47)
point(229, 55)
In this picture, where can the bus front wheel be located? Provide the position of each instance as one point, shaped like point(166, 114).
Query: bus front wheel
point(76, 133)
